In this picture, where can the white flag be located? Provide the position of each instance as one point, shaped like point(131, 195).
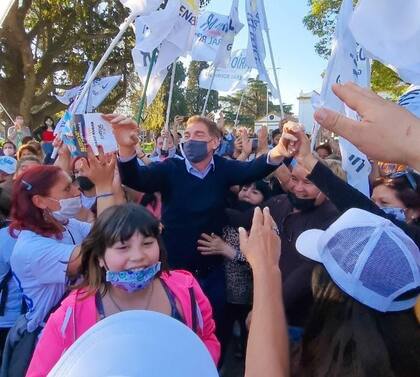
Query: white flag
point(255, 15)
point(141, 6)
point(390, 32)
point(211, 28)
point(230, 79)
point(4, 9)
point(234, 27)
point(176, 43)
point(347, 63)
point(100, 89)
point(70, 95)
point(410, 100)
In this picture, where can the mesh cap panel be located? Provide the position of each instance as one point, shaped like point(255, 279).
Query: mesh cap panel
point(347, 245)
point(387, 269)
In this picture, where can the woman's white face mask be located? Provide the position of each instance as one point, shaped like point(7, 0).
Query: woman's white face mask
point(70, 207)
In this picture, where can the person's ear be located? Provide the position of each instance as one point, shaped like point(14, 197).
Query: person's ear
point(214, 144)
point(101, 262)
point(39, 202)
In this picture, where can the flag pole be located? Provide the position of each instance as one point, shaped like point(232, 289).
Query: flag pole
point(168, 108)
point(275, 72)
point(7, 113)
point(239, 109)
point(146, 84)
point(266, 110)
point(123, 27)
point(208, 92)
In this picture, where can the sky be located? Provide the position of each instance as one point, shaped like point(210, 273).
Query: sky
point(293, 46)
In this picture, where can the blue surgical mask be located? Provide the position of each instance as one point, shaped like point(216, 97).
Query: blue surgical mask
point(396, 212)
point(133, 280)
point(195, 150)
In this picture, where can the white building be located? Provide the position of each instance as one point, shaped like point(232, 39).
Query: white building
point(306, 110)
point(272, 122)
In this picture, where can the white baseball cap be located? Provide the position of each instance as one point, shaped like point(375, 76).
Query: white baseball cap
point(368, 257)
point(8, 164)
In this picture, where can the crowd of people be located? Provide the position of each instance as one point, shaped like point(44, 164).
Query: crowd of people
point(265, 241)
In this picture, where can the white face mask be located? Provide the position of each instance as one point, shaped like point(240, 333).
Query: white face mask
point(70, 207)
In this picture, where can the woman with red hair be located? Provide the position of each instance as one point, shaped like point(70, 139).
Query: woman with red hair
point(46, 254)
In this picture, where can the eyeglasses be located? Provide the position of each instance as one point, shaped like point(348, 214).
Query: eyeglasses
point(408, 175)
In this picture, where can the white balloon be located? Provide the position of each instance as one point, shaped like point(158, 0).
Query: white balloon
point(137, 343)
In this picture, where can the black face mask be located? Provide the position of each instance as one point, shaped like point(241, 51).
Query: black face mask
point(242, 206)
point(301, 204)
point(85, 183)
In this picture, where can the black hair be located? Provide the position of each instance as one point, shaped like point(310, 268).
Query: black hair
point(344, 338)
point(49, 117)
point(116, 224)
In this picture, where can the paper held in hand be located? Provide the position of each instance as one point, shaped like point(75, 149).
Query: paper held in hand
point(91, 129)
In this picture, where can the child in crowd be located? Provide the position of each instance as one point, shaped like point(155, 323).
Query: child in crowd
point(124, 267)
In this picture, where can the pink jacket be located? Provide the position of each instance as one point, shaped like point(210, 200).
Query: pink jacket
point(76, 315)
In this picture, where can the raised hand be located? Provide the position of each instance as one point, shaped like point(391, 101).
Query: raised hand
point(261, 246)
point(126, 132)
point(262, 140)
point(214, 245)
point(100, 169)
point(288, 144)
point(387, 132)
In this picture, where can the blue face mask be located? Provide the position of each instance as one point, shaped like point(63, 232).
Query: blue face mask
point(398, 213)
point(133, 280)
point(195, 150)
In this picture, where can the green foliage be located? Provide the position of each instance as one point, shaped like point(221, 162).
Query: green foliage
point(44, 47)
point(321, 22)
point(156, 112)
point(195, 96)
point(254, 104)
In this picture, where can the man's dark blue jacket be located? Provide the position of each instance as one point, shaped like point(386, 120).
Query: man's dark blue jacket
point(191, 205)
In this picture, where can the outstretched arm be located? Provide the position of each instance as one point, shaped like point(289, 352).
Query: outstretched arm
point(268, 346)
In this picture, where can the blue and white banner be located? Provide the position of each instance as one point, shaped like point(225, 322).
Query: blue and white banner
point(255, 15)
point(231, 79)
point(210, 31)
point(347, 62)
point(234, 27)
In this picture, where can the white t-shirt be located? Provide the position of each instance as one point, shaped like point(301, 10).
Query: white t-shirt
point(14, 297)
point(39, 265)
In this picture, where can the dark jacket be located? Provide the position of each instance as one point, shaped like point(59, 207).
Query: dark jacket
point(296, 270)
point(191, 205)
point(344, 197)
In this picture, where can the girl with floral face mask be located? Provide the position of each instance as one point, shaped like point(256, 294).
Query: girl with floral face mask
point(124, 268)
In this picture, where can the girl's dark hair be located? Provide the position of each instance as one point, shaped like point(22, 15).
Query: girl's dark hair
point(344, 338)
point(325, 146)
point(403, 189)
point(115, 224)
point(50, 118)
point(11, 143)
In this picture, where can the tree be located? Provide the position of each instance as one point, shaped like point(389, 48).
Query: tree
point(44, 47)
point(254, 104)
point(321, 22)
point(195, 95)
point(156, 112)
